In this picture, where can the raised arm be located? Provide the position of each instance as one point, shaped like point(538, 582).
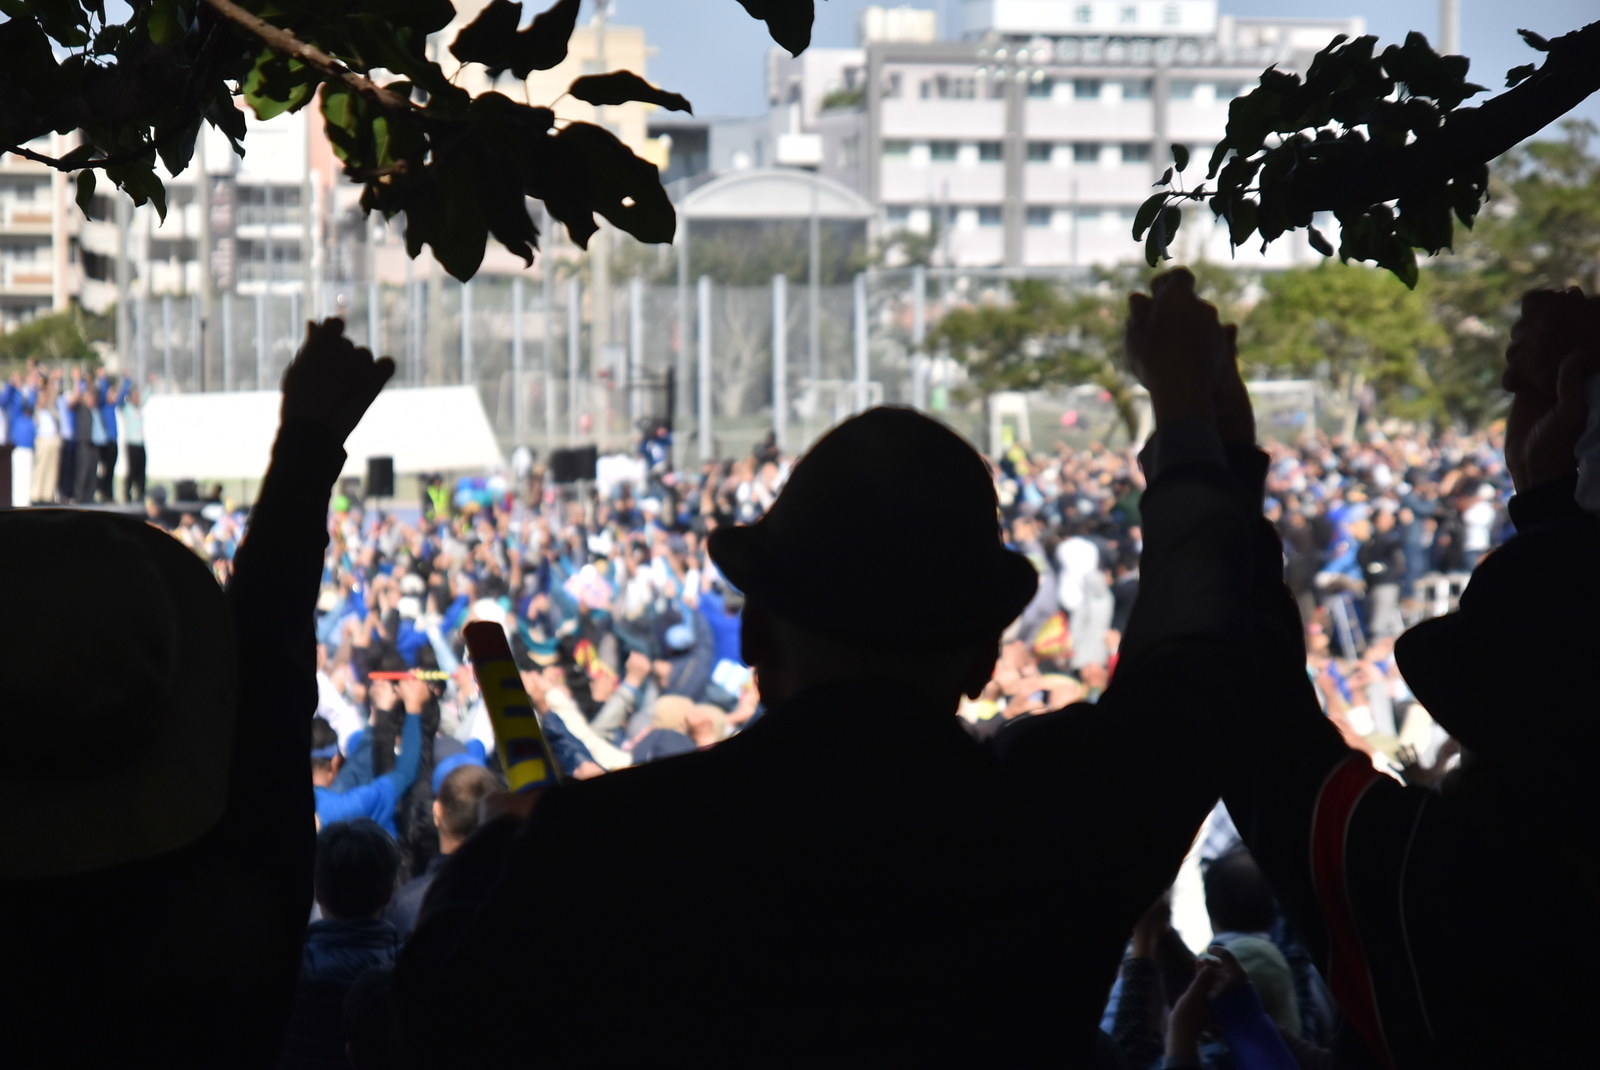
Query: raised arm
point(278, 568)
point(1147, 750)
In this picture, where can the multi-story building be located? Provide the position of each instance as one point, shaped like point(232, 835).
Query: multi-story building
point(1031, 139)
point(38, 258)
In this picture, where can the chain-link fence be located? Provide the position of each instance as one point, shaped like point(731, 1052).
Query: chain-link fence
point(700, 352)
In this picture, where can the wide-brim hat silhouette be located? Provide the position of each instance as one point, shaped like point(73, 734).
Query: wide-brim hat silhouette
point(1510, 673)
point(887, 531)
point(120, 676)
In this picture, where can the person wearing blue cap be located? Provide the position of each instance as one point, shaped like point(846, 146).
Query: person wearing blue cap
point(377, 798)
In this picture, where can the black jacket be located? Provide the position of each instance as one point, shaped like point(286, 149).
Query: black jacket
point(1383, 557)
point(853, 880)
point(336, 954)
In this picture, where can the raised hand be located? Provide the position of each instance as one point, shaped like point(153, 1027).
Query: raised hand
point(1175, 347)
point(332, 381)
point(1555, 348)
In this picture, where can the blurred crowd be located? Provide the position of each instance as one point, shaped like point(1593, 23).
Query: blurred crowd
point(628, 637)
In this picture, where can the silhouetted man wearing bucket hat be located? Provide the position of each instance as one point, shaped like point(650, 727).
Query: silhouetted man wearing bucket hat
point(854, 880)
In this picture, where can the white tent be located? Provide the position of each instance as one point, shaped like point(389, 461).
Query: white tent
point(219, 437)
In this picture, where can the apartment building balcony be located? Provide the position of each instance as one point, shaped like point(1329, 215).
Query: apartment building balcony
point(27, 277)
point(25, 217)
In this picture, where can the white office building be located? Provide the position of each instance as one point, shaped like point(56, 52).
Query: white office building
point(1035, 132)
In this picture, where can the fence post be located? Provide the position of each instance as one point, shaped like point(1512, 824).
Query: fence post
point(574, 333)
point(516, 359)
point(861, 342)
point(780, 358)
point(468, 368)
point(919, 336)
point(704, 407)
point(374, 340)
point(635, 347)
point(261, 340)
point(227, 340)
point(166, 339)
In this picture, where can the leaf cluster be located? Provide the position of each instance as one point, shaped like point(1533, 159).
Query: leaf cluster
point(1353, 105)
point(459, 168)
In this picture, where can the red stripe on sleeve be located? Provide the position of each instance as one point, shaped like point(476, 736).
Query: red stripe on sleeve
point(1349, 976)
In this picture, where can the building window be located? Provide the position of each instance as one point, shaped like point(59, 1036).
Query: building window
point(989, 215)
point(990, 151)
point(898, 215)
point(1086, 88)
point(942, 151)
point(1040, 215)
point(896, 149)
point(1041, 151)
point(1183, 89)
point(1086, 152)
point(1041, 88)
point(1170, 15)
point(1084, 14)
point(1228, 90)
point(1136, 152)
point(1129, 15)
point(946, 87)
point(1136, 89)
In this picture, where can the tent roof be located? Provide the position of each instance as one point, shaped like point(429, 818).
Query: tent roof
point(229, 436)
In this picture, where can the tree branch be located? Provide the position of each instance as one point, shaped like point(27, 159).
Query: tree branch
point(283, 41)
point(114, 160)
point(1469, 136)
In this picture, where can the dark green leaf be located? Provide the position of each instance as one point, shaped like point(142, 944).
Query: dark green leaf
point(277, 84)
point(139, 181)
point(1520, 74)
point(86, 184)
point(177, 151)
point(788, 21)
point(1242, 221)
point(1534, 40)
point(487, 38)
point(1318, 242)
point(590, 171)
point(166, 23)
point(620, 87)
point(505, 208)
point(1146, 215)
point(424, 16)
point(1180, 156)
point(1165, 179)
point(1155, 245)
point(493, 39)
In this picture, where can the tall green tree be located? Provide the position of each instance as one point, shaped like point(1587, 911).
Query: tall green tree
point(1355, 327)
point(1041, 337)
point(52, 339)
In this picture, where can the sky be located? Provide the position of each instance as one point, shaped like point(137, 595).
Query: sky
point(713, 53)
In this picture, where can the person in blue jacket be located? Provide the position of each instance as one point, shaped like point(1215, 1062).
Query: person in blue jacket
point(108, 395)
point(378, 798)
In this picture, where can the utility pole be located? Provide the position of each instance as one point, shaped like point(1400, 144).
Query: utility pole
point(1449, 27)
